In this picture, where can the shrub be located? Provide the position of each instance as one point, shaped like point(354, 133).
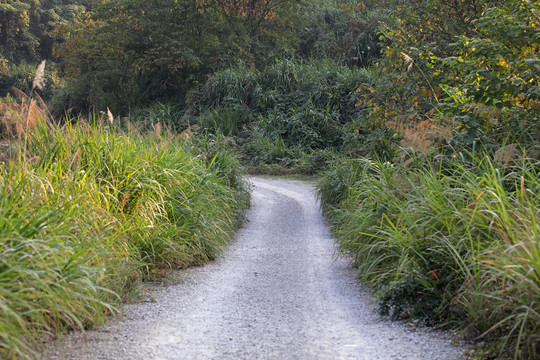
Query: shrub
point(22, 76)
point(289, 108)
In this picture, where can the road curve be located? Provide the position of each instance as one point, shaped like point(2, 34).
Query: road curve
point(278, 292)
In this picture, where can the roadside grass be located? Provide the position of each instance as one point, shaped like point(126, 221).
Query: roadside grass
point(455, 244)
point(90, 210)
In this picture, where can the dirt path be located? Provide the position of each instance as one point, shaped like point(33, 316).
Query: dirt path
point(276, 293)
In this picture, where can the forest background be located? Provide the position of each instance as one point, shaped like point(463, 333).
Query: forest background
point(420, 119)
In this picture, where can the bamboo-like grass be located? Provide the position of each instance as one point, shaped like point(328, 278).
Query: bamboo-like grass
point(284, 115)
point(88, 211)
point(456, 245)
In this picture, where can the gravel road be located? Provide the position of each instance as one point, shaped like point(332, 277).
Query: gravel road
point(278, 292)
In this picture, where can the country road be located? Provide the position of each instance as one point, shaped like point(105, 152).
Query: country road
point(278, 292)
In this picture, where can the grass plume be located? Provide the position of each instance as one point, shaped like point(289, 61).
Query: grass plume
point(39, 78)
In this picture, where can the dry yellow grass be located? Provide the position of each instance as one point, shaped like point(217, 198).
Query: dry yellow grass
point(420, 135)
point(22, 115)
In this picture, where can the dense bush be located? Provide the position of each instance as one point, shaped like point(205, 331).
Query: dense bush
point(120, 59)
point(88, 211)
point(472, 66)
point(22, 76)
point(345, 31)
point(453, 242)
point(28, 28)
point(282, 112)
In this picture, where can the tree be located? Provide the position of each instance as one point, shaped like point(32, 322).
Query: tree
point(130, 52)
point(27, 27)
point(498, 72)
point(254, 16)
point(16, 40)
point(133, 51)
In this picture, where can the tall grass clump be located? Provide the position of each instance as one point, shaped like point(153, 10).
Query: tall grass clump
point(282, 85)
point(454, 244)
point(282, 113)
point(88, 211)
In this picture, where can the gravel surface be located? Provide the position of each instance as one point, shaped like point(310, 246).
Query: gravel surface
point(278, 292)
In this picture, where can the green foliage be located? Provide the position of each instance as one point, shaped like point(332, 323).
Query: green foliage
point(27, 36)
point(95, 92)
point(344, 31)
point(455, 244)
point(88, 211)
point(157, 56)
point(262, 148)
point(119, 58)
point(22, 77)
point(333, 183)
point(228, 120)
point(257, 19)
point(499, 69)
point(288, 109)
point(132, 60)
point(27, 27)
point(484, 85)
point(170, 115)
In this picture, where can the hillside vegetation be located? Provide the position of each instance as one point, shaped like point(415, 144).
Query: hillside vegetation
point(420, 118)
